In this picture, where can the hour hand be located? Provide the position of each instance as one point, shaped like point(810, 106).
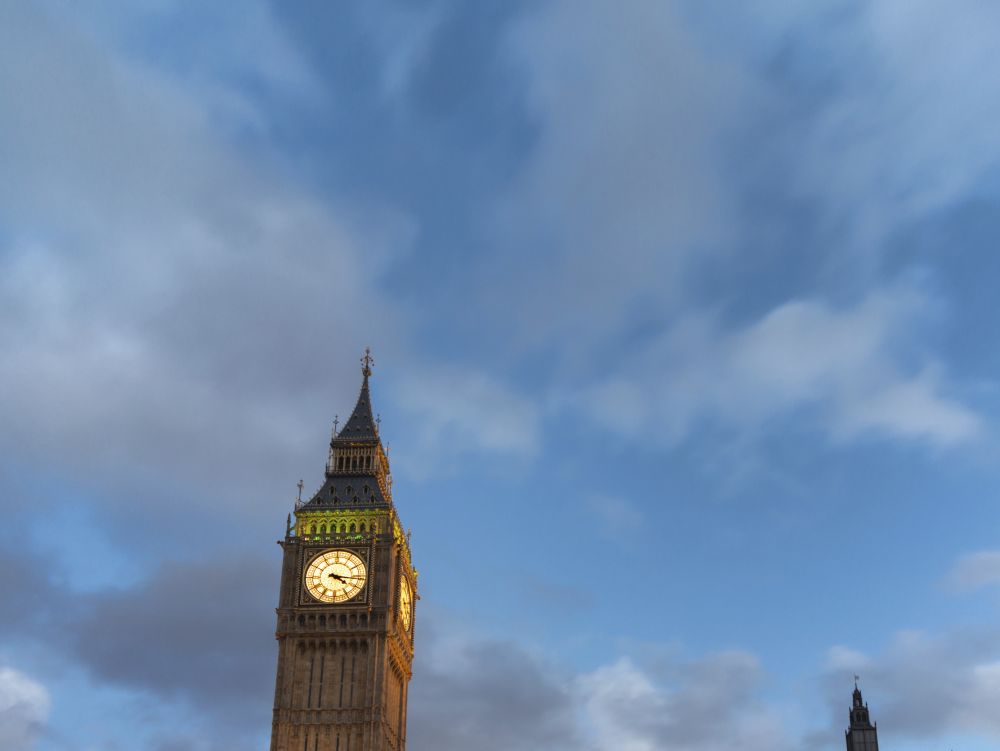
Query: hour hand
point(336, 576)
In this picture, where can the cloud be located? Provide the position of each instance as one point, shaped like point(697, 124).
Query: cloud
point(170, 306)
point(197, 635)
point(24, 709)
point(897, 140)
point(707, 704)
point(455, 412)
point(803, 355)
point(924, 685)
point(201, 631)
point(975, 571)
point(627, 186)
point(618, 516)
point(489, 695)
point(499, 695)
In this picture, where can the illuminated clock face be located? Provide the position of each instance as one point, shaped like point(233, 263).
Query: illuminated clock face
point(335, 576)
point(405, 603)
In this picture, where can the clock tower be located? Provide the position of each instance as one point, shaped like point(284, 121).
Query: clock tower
point(346, 603)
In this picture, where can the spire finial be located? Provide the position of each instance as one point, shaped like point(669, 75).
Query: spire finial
point(301, 485)
point(856, 679)
point(336, 422)
point(378, 421)
point(366, 362)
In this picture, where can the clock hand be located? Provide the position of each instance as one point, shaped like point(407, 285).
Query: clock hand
point(337, 576)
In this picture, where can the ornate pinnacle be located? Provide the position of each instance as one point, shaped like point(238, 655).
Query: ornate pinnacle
point(366, 362)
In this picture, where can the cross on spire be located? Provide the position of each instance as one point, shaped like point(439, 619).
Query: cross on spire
point(366, 362)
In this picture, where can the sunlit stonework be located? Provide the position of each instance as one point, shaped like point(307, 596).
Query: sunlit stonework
point(346, 616)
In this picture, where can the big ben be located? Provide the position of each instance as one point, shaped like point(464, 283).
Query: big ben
point(346, 603)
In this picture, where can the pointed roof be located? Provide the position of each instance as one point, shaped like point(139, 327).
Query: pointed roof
point(357, 469)
point(361, 425)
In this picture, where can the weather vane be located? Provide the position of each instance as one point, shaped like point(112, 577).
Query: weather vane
point(366, 362)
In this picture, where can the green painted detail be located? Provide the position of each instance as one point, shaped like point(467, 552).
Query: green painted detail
point(327, 523)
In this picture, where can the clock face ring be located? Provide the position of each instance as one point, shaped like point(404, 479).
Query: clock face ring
point(335, 576)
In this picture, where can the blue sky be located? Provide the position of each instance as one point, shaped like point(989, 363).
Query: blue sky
point(684, 323)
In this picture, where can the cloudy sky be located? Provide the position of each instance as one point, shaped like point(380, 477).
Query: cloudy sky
point(685, 324)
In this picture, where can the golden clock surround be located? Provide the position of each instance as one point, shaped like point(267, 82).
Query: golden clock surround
point(405, 603)
point(335, 576)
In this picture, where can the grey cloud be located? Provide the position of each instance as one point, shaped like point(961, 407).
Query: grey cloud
point(153, 279)
point(488, 695)
point(24, 709)
point(203, 631)
point(627, 190)
point(199, 633)
point(195, 637)
point(498, 695)
point(177, 314)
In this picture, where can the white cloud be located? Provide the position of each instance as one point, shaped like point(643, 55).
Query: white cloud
point(899, 138)
point(616, 515)
point(24, 710)
point(454, 412)
point(709, 704)
point(925, 685)
point(975, 571)
point(803, 355)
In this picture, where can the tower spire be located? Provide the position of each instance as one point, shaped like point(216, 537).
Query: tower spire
point(360, 426)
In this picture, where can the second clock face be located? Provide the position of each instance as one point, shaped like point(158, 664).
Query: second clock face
point(405, 603)
point(335, 576)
